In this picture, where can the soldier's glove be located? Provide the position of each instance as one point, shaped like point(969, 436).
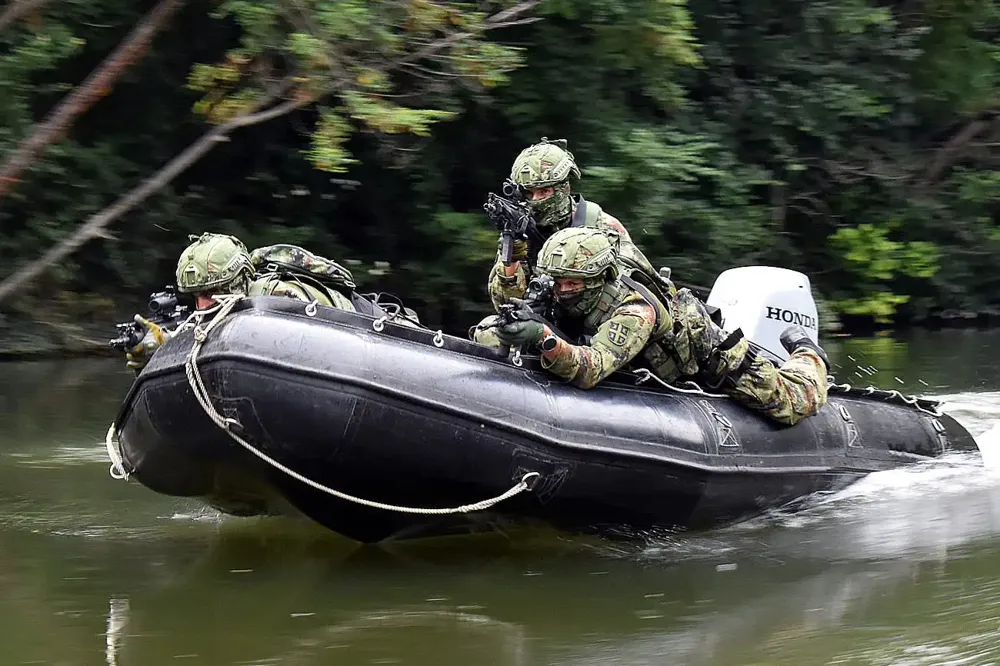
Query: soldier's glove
point(518, 249)
point(521, 333)
point(154, 338)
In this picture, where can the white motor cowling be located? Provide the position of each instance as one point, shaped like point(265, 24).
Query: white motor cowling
point(763, 301)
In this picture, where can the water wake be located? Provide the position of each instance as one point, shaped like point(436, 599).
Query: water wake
point(921, 510)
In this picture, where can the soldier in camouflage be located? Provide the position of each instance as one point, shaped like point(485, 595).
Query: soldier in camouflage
point(543, 170)
point(220, 264)
point(625, 324)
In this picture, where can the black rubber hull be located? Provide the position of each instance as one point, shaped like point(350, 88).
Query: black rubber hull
point(390, 417)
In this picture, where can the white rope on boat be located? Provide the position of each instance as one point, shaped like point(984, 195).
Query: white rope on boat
point(227, 424)
point(117, 470)
point(912, 401)
point(643, 375)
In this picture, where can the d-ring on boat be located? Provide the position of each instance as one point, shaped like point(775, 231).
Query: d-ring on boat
point(377, 431)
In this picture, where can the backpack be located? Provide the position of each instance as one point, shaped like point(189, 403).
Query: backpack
point(299, 262)
point(300, 265)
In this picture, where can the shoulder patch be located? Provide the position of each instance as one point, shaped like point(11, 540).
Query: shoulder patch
point(618, 333)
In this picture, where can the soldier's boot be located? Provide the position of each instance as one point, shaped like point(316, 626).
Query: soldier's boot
point(795, 337)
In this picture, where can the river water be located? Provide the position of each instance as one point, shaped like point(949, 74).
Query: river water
point(901, 568)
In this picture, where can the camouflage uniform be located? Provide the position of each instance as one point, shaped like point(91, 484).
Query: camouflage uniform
point(503, 288)
point(674, 340)
point(549, 164)
point(220, 264)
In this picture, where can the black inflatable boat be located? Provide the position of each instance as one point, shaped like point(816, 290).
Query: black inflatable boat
point(309, 398)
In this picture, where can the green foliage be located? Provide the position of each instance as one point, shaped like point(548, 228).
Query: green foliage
point(873, 261)
point(870, 254)
point(328, 151)
point(879, 305)
point(24, 54)
point(850, 139)
point(685, 199)
point(364, 56)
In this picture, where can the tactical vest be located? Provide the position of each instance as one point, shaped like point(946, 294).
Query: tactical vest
point(614, 294)
point(668, 352)
point(268, 283)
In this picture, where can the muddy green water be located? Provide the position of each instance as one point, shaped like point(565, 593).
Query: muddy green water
point(902, 568)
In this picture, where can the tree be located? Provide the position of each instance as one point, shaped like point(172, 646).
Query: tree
point(97, 85)
point(363, 54)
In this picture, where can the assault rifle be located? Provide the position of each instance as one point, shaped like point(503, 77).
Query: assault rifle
point(163, 311)
point(537, 304)
point(510, 214)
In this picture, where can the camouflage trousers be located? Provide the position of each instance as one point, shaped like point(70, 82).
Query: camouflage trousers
point(789, 393)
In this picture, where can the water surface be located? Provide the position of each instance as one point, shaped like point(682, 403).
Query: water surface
point(901, 568)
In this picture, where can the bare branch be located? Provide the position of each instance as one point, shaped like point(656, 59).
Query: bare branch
point(952, 150)
point(511, 24)
point(94, 227)
point(98, 82)
point(499, 20)
point(15, 9)
point(96, 85)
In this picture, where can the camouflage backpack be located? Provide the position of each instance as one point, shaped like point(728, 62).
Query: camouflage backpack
point(301, 263)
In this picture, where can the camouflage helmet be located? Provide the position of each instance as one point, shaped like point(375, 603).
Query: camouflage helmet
point(213, 261)
point(580, 252)
point(544, 164)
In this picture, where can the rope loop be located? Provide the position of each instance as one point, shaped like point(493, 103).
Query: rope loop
point(117, 470)
point(643, 375)
point(229, 425)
